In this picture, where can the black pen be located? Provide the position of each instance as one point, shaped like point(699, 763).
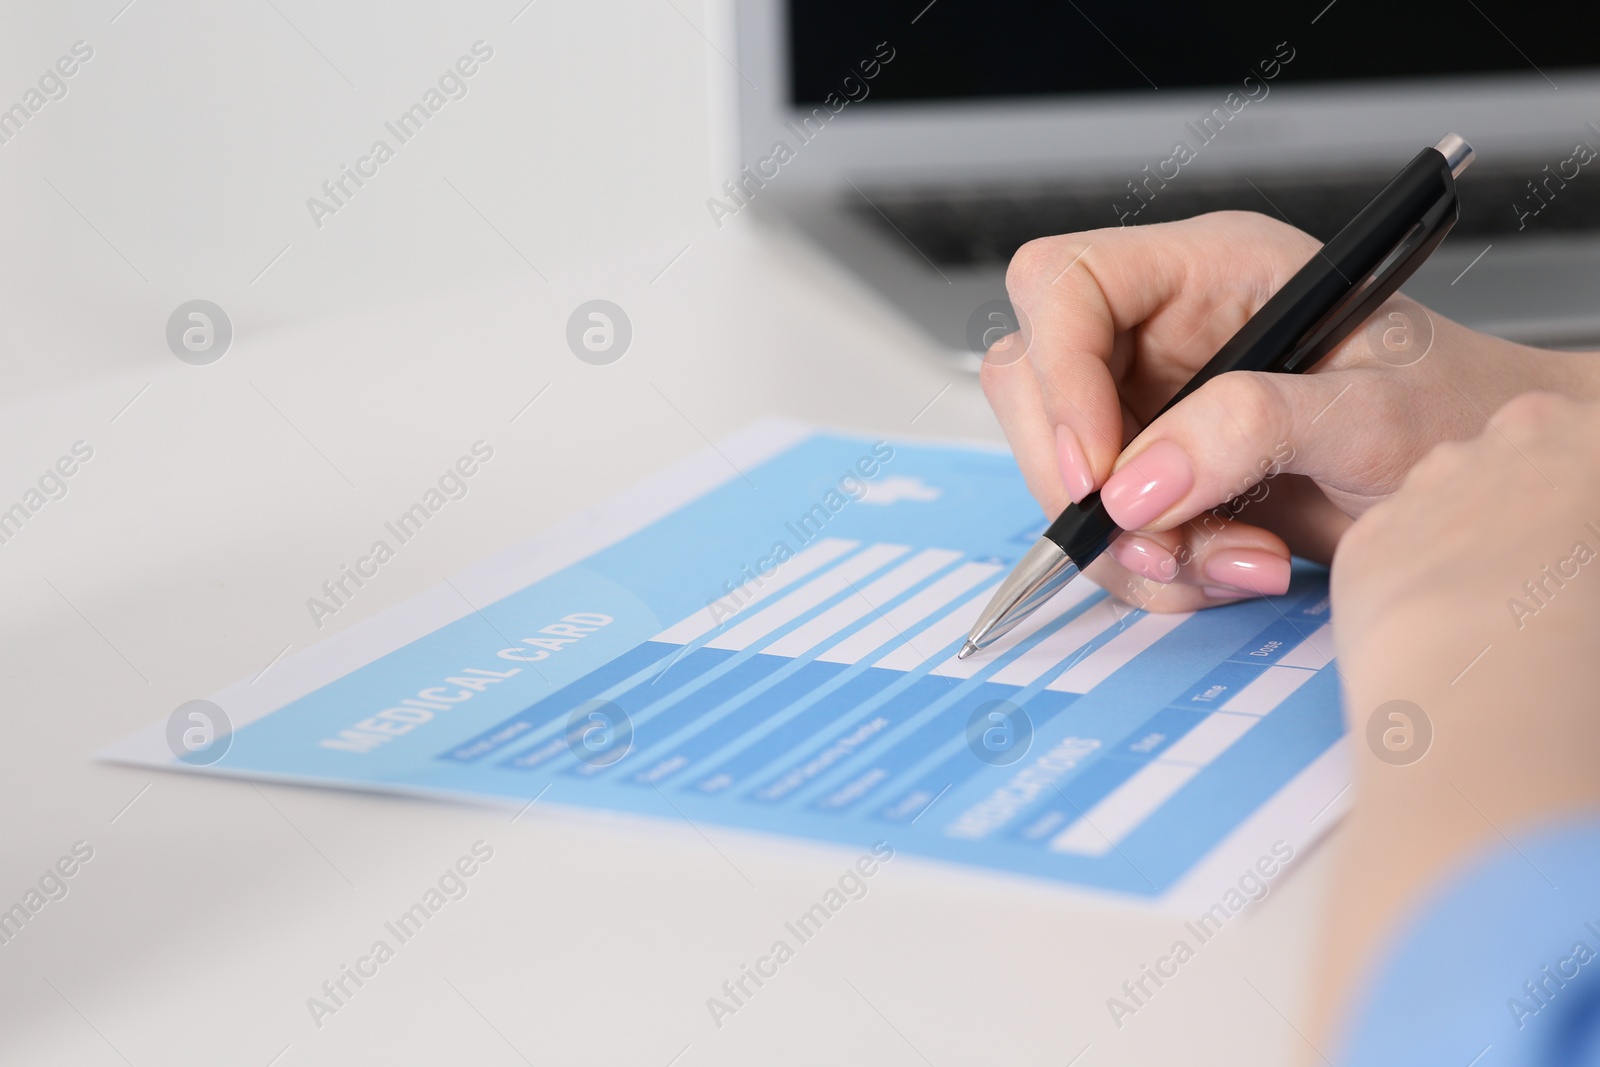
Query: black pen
point(1329, 297)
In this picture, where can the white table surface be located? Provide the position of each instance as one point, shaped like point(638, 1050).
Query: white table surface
point(366, 357)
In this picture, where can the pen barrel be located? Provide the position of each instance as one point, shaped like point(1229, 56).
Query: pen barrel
point(1083, 530)
point(1301, 322)
point(1314, 311)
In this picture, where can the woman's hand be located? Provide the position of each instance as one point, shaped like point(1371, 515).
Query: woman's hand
point(1465, 615)
point(1115, 321)
point(1493, 537)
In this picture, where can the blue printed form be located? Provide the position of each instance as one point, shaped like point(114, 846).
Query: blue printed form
point(765, 638)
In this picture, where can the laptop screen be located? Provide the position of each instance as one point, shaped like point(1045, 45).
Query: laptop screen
point(962, 49)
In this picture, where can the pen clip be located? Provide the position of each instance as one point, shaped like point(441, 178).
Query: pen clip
point(1402, 261)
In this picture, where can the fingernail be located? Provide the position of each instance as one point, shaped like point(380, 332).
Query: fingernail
point(1250, 569)
point(1148, 485)
point(1144, 556)
point(1221, 594)
point(1074, 464)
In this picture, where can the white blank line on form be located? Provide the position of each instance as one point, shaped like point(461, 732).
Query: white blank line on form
point(703, 622)
point(1128, 805)
point(861, 602)
point(895, 622)
point(1269, 690)
point(949, 627)
point(1118, 652)
point(1057, 607)
point(1210, 738)
point(823, 587)
point(1314, 653)
point(1059, 646)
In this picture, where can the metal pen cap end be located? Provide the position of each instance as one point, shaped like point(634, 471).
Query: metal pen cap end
point(1456, 151)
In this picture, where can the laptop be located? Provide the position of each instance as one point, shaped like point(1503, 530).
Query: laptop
point(920, 143)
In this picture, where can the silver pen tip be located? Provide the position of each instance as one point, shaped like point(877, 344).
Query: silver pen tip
point(966, 650)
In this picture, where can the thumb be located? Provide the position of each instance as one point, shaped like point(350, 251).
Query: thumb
point(1244, 426)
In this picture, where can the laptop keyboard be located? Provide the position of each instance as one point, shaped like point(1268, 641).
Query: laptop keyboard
point(980, 227)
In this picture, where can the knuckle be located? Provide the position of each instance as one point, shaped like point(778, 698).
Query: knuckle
point(1439, 463)
point(1449, 468)
point(1028, 262)
point(1234, 217)
point(1248, 403)
point(1529, 413)
point(1037, 261)
point(1256, 224)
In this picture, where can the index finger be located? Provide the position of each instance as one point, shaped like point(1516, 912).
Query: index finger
point(1114, 321)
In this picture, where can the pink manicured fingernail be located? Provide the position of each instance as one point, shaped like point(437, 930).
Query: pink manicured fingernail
point(1143, 556)
point(1251, 570)
point(1148, 485)
point(1221, 594)
point(1074, 465)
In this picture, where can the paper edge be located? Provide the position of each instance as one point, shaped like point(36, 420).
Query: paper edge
point(612, 520)
point(511, 569)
